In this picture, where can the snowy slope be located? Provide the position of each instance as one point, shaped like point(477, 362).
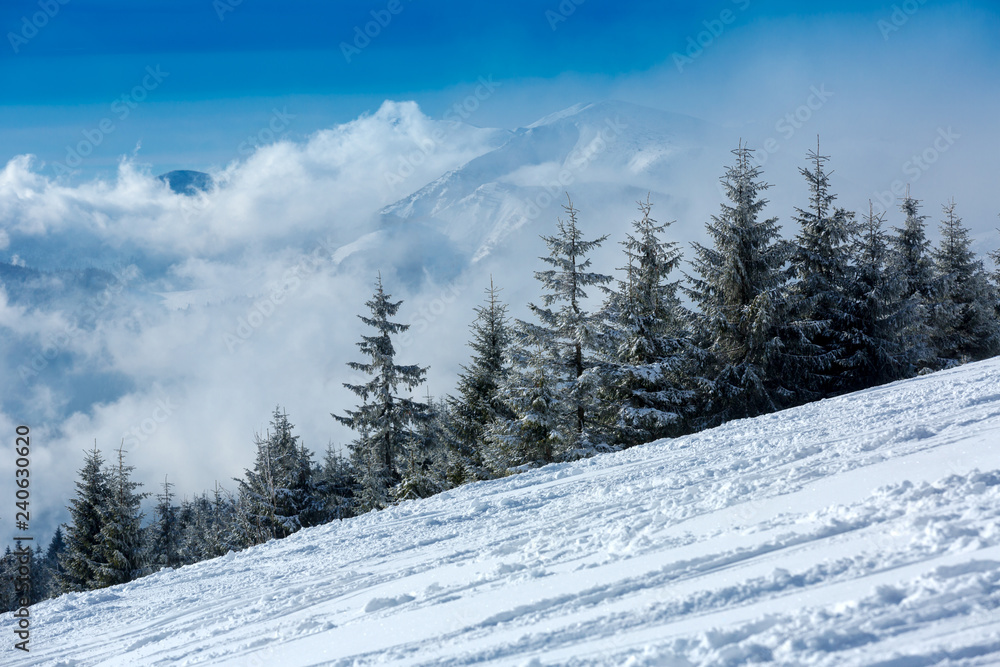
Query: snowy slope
point(855, 531)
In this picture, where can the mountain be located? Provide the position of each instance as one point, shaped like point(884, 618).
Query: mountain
point(607, 154)
point(187, 182)
point(797, 538)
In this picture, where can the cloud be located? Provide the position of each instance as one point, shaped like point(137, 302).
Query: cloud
point(214, 308)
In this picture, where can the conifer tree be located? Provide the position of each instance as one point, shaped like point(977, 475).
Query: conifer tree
point(384, 420)
point(739, 292)
point(8, 574)
point(374, 479)
point(911, 261)
point(166, 531)
point(962, 314)
point(308, 507)
point(53, 557)
point(78, 563)
point(645, 340)
point(120, 556)
point(41, 576)
point(821, 265)
point(879, 350)
point(223, 533)
point(479, 404)
point(337, 485)
point(995, 256)
point(424, 461)
point(268, 503)
point(567, 336)
point(541, 421)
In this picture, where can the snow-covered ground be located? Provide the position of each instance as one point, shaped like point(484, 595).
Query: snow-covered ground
point(859, 530)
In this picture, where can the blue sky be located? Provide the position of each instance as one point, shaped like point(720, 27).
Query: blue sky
point(230, 64)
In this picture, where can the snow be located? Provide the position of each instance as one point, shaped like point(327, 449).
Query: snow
point(606, 152)
point(855, 531)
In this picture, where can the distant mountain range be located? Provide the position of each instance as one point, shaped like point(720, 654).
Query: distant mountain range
point(187, 182)
point(605, 155)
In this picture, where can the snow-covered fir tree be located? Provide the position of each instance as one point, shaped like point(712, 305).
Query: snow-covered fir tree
point(384, 421)
point(541, 420)
point(83, 532)
point(568, 334)
point(821, 266)
point(646, 392)
point(120, 556)
point(53, 559)
point(879, 348)
point(375, 480)
point(308, 506)
point(911, 261)
point(223, 533)
point(479, 404)
point(195, 523)
point(995, 256)
point(337, 485)
point(424, 462)
point(738, 289)
point(267, 500)
point(166, 531)
point(963, 310)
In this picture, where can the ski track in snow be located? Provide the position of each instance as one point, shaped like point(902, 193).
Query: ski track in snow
point(861, 530)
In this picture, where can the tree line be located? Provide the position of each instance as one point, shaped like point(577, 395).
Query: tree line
point(756, 323)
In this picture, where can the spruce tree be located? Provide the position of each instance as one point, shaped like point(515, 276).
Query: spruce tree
point(308, 507)
point(166, 531)
point(78, 562)
point(479, 404)
point(879, 350)
point(41, 577)
point(821, 266)
point(267, 499)
point(648, 356)
point(911, 261)
point(568, 334)
point(541, 420)
point(337, 485)
point(120, 557)
point(995, 256)
point(424, 461)
point(53, 558)
point(8, 573)
point(962, 313)
point(739, 293)
point(223, 534)
point(384, 420)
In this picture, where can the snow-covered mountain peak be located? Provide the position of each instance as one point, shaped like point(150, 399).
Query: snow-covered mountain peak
point(608, 153)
